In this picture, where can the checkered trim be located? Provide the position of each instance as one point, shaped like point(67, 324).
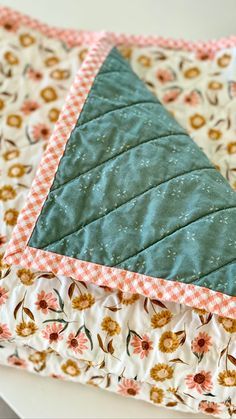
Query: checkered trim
point(158, 288)
point(20, 254)
point(73, 37)
point(49, 164)
point(70, 36)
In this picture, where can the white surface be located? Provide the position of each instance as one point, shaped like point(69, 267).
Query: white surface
point(49, 398)
point(35, 397)
point(191, 19)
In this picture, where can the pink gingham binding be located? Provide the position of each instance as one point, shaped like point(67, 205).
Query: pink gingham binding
point(77, 37)
point(20, 254)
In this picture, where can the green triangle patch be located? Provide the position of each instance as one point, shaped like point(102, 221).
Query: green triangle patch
point(133, 191)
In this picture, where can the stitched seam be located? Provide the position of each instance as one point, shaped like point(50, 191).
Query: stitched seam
point(130, 200)
point(175, 231)
point(78, 125)
point(215, 270)
point(113, 72)
point(114, 157)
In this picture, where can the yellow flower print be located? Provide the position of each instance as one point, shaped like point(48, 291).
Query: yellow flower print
point(26, 40)
point(3, 265)
point(83, 302)
point(234, 185)
point(227, 378)
point(53, 114)
point(172, 390)
point(127, 298)
point(215, 85)
point(14, 121)
point(26, 276)
point(59, 74)
point(10, 216)
point(161, 372)
point(11, 58)
point(83, 54)
point(51, 61)
point(125, 51)
point(159, 320)
point(168, 342)
point(231, 148)
point(144, 61)
point(37, 357)
point(7, 192)
point(71, 368)
point(110, 326)
point(228, 324)
point(214, 134)
point(224, 60)
point(192, 73)
point(2, 104)
point(48, 94)
point(91, 383)
point(156, 395)
point(16, 170)
point(11, 154)
point(26, 329)
point(197, 121)
point(200, 311)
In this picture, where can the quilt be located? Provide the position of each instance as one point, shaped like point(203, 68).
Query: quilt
point(118, 174)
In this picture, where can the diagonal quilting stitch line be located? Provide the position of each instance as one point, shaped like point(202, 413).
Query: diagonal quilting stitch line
point(178, 229)
point(130, 200)
point(215, 270)
point(113, 72)
point(154, 102)
point(114, 157)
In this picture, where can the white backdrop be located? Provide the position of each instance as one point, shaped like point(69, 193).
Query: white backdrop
point(199, 19)
point(35, 397)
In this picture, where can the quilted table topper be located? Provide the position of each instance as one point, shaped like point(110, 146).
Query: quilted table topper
point(124, 198)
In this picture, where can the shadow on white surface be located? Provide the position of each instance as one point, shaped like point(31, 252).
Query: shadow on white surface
point(6, 412)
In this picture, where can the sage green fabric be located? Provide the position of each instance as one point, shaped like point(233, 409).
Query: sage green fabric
point(134, 191)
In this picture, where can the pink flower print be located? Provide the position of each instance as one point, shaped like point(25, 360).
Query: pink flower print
point(17, 362)
point(205, 55)
point(201, 381)
point(171, 95)
point(128, 387)
point(164, 75)
point(41, 132)
point(46, 302)
point(202, 343)
point(52, 333)
point(209, 408)
point(8, 24)
point(29, 106)
point(4, 332)
point(77, 343)
point(142, 346)
point(192, 98)
point(34, 74)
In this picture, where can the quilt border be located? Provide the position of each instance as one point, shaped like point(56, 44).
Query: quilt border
point(75, 37)
point(20, 254)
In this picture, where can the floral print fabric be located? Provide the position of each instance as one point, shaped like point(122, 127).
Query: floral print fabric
point(200, 92)
point(159, 352)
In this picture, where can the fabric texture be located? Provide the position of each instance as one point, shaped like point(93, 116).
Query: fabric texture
point(125, 280)
point(174, 356)
point(148, 192)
